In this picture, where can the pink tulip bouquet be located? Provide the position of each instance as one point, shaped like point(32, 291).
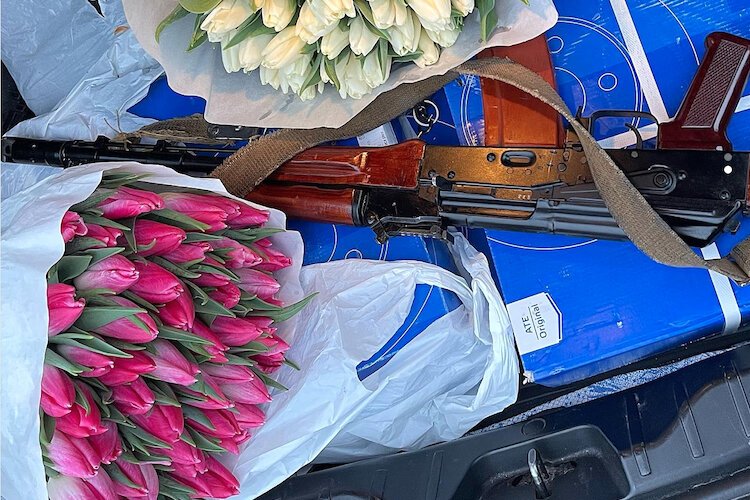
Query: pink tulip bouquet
point(162, 344)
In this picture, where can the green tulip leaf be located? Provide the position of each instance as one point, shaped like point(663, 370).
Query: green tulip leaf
point(198, 237)
point(207, 268)
point(80, 243)
point(54, 359)
point(313, 78)
point(199, 6)
point(487, 18)
point(187, 438)
point(113, 180)
point(251, 235)
point(197, 292)
point(181, 336)
point(197, 415)
point(285, 313)
point(116, 474)
point(141, 302)
point(72, 266)
point(292, 364)
point(204, 443)
point(178, 13)
point(253, 26)
point(233, 359)
point(166, 482)
point(99, 254)
point(96, 317)
point(178, 270)
point(268, 380)
point(81, 399)
point(92, 201)
point(47, 428)
point(199, 36)
point(213, 308)
point(412, 56)
point(103, 221)
point(330, 68)
point(177, 219)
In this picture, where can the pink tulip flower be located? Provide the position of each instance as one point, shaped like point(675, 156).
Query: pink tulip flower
point(127, 202)
point(79, 422)
point(179, 313)
point(275, 344)
point(252, 393)
point(273, 260)
point(99, 487)
point(58, 393)
point(142, 475)
point(127, 370)
point(248, 217)
point(227, 295)
point(239, 331)
point(258, 283)
point(72, 225)
point(106, 235)
point(171, 365)
point(211, 279)
point(107, 445)
point(188, 252)
point(198, 207)
point(249, 416)
point(216, 482)
point(115, 273)
point(223, 422)
point(163, 422)
point(231, 207)
point(138, 328)
point(156, 284)
point(63, 307)
point(134, 398)
point(99, 364)
point(190, 458)
point(155, 238)
point(72, 456)
point(228, 374)
point(239, 255)
point(215, 349)
point(269, 363)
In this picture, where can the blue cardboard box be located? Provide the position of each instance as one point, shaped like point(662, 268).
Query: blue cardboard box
point(326, 242)
point(580, 307)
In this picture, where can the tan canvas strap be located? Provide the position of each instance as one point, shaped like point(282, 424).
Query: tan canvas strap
point(645, 228)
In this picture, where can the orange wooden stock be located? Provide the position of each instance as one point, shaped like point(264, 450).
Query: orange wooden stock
point(308, 202)
point(511, 116)
point(390, 166)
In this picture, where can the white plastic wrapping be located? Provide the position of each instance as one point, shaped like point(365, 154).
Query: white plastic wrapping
point(77, 70)
point(31, 243)
point(240, 99)
point(459, 370)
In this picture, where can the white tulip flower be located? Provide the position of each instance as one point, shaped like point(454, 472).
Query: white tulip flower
point(444, 38)
point(405, 38)
point(433, 14)
point(225, 17)
point(361, 39)
point(231, 56)
point(297, 72)
point(337, 8)
point(311, 91)
point(387, 13)
point(270, 77)
point(312, 22)
point(430, 51)
point(284, 48)
point(373, 70)
point(465, 7)
point(277, 14)
point(352, 78)
point(334, 42)
point(251, 51)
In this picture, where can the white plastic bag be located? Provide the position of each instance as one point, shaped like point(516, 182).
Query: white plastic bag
point(459, 370)
point(240, 99)
point(79, 71)
point(31, 244)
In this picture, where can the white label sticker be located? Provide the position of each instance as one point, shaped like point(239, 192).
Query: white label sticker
point(384, 135)
point(537, 323)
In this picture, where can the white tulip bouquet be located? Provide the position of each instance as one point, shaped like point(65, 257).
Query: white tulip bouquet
point(302, 45)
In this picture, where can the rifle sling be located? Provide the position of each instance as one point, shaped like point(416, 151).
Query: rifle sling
point(245, 169)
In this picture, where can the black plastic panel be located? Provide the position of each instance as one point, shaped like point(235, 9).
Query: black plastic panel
point(687, 433)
